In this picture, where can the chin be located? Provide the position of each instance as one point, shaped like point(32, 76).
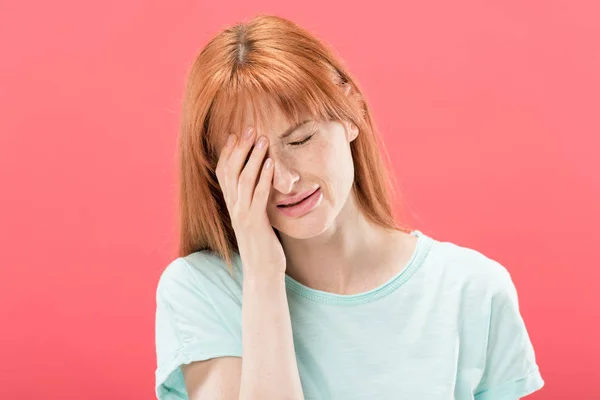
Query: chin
point(308, 226)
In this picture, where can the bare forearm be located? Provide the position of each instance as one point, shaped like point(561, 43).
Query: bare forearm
point(269, 366)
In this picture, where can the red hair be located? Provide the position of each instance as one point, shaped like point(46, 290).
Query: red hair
point(271, 58)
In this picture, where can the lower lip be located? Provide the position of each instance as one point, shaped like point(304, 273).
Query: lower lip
point(305, 206)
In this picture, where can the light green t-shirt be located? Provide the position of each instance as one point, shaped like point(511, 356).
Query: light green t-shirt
point(447, 326)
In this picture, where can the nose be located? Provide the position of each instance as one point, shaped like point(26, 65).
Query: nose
point(284, 175)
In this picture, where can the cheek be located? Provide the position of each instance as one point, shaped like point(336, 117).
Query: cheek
point(331, 156)
point(320, 157)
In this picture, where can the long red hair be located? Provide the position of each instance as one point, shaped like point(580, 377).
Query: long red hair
point(272, 58)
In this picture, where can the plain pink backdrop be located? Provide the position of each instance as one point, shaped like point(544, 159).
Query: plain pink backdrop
point(490, 111)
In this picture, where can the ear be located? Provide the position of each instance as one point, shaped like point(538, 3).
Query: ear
point(347, 88)
point(351, 131)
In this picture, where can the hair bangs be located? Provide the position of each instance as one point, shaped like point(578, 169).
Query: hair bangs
point(253, 95)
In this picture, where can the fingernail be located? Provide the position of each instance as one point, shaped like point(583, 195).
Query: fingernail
point(261, 142)
point(248, 132)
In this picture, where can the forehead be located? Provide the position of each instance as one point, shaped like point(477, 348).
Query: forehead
point(269, 120)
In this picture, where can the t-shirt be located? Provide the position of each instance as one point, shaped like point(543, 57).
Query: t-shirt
point(447, 326)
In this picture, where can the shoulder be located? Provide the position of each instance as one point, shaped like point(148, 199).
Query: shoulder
point(469, 269)
point(199, 272)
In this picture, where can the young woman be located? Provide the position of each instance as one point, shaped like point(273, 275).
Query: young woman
point(326, 298)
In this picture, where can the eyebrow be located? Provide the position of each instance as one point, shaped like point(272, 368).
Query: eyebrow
point(293, 128)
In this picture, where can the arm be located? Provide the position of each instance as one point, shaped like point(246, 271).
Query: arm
point(269, 367)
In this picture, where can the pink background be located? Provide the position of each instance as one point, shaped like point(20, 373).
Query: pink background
point(489, 110)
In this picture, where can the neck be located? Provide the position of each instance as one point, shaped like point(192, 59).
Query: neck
point(346, 258)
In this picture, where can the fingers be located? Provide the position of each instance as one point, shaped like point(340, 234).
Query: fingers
point(263, 189)
point(233, 160)
point(240, 167)
point(251, 172)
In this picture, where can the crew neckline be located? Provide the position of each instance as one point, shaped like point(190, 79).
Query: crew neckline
point(424, 243)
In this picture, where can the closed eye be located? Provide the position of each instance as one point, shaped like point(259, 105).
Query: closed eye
point(302, 141)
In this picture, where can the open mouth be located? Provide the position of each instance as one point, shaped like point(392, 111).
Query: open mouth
point(292, 204)
point(303, 207)
point(295, 204)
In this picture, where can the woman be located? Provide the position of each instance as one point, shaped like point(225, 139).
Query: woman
point(339, 301)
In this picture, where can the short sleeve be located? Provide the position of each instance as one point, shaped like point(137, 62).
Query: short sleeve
point(187, 328)
point(510, 370)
